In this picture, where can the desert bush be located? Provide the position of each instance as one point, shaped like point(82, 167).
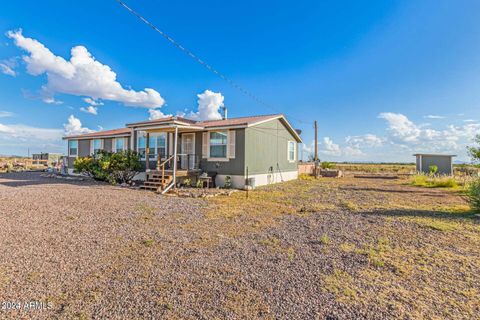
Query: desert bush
point(305, 176)
point(422, 180)
point(228, 182)
point(327, 165)
point(473, 193)
point(432, 170)
point(114, 167)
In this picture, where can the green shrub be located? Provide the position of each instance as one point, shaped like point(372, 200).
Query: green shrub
point(421, 180)
point(114, 167)
point(473, 193)
point(327, 165)
point(432, 170)
point(228, 182)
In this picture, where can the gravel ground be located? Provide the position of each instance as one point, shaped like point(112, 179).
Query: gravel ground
point(89, 250)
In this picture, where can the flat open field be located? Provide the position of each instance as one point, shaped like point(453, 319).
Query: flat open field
point(328, 249)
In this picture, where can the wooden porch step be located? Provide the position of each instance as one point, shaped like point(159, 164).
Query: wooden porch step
point(160, 179)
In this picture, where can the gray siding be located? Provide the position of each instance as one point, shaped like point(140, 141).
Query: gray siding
point(266, 148)
point(107, 144)
point(444, 163)
point(235, 166)
point(83, 148)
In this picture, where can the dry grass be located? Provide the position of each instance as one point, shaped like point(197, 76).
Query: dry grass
point(317, 248)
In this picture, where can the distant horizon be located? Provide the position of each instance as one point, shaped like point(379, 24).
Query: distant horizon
point(383, 81)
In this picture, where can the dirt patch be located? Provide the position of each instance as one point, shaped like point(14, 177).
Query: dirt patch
point(328, 248)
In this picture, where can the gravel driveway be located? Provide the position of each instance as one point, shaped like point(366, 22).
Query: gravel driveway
point(89, 250)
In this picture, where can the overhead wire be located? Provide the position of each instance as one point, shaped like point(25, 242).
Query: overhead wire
point(205, 64)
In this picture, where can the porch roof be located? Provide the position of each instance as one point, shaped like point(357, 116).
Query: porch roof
point(101, 134)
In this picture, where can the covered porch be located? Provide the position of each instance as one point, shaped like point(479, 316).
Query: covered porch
point(169, 151)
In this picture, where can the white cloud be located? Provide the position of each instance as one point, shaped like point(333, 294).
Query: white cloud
point(6, 114)
point(82, 75)
point(330, 147)
point(209, 104)
point(366, 140)
point(470, 120)
point(24, 133)
point(416, 138)
point(90, 109)
point(432, 116)
point(51, 100)
point(400, 127)
point(92, 102)
point(5, 69)
point(157, 114)
point(333, 149)
point(74, 127)
point(8, 66)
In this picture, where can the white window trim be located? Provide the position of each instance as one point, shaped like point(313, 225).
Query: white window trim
point(220, 159)
point(294, 151)
point(92, 150)
point(69, 154)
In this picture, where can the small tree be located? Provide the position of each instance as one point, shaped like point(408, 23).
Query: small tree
point(474, 152)
point(125, 165)
point(117, 167)
point(432, 170)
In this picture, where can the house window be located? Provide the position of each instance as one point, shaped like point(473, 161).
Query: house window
point(291, 151)
point(157, 144)
point(161, 145)
point(152, 147)
point(119, 144)
point(73, 148)
point(218, 144)
point(141, 145)
point(96, 146)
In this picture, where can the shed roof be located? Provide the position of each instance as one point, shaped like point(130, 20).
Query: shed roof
point(435, 154)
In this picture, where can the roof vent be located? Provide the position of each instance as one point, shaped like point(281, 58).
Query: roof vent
point(225, 113)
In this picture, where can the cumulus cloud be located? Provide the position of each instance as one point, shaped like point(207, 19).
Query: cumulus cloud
point(400, 127)
point(82, 75)
point(366, 140)
point(331, 148)
point(209, 104)
point(403, 131)
point(157, 114)
point(74, 127)
point(89, 109)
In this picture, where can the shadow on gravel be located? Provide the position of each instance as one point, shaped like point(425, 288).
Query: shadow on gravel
point(458, 216)
point(20, 179)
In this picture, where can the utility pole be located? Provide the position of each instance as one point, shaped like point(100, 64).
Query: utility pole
point(316, 148)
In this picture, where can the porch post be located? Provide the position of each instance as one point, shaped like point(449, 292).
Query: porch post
point(175, 158)
point(147, 152)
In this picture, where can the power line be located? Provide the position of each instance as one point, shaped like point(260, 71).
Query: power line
point(203, 63)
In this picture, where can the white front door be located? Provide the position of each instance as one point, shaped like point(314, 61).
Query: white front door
point(188, 151)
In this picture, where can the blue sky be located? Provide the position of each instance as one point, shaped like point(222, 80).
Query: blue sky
point(384, 80)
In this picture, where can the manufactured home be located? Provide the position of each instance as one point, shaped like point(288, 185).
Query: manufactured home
point(263, 147)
